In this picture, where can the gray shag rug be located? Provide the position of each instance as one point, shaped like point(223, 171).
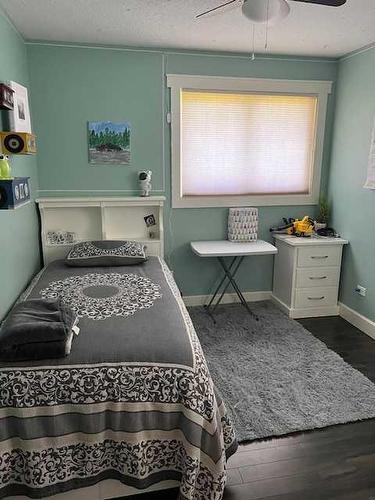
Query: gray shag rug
point(275, 377)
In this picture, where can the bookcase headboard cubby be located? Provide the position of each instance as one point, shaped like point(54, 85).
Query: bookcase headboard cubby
point(65, 221)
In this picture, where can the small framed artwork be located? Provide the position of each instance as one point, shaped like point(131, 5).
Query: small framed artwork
point(20, 115)
point(150, 220)
point(109, 143)
point(6, 97)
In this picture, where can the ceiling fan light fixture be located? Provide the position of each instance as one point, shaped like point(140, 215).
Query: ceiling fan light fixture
point(259, 11)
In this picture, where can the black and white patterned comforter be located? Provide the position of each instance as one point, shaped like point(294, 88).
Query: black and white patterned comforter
point(133, 401)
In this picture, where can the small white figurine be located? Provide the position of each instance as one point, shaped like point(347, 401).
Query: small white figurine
point(144, 178)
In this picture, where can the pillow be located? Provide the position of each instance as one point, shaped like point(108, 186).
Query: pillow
point(106, 253)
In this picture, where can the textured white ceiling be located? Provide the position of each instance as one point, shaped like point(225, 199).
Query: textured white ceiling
point(310, 30)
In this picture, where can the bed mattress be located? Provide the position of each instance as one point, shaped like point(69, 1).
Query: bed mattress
point(133, 401)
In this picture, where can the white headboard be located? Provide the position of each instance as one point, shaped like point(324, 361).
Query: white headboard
point(66, 221)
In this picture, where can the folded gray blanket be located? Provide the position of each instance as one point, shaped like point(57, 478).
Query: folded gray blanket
point(37, 329)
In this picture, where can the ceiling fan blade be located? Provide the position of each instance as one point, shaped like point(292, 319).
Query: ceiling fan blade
point(216, 8)
point(328, 3)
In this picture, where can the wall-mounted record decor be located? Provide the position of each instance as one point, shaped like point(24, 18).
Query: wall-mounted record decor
point(17, 143)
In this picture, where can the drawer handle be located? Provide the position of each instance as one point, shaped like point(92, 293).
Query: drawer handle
point(316, 298)
point(317, 277)
point(319, 256)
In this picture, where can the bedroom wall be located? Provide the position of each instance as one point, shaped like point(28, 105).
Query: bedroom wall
point(18, 228)
point(72, 85)
point(353, 207)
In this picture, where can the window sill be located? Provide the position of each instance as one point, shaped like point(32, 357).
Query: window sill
point(243, 201)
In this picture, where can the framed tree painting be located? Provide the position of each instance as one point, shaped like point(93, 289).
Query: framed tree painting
point(109, 143)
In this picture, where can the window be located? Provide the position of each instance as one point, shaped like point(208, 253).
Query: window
point(238, 141)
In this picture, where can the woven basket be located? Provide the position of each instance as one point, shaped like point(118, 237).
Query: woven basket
point(243, 224)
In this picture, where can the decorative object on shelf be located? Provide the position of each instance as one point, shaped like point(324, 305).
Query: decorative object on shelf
point(109, 143)
point(243, 224)
point(323, 216)
point(18, 143)
point(6, 97)
point(144, 178)
point(20, 115)
point(14, 192)
point(60, 237)
point(150, 220)
point(5, 170)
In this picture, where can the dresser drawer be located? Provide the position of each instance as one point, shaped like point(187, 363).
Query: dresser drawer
point(317, 277)
point(319, 256)
point(315, 297)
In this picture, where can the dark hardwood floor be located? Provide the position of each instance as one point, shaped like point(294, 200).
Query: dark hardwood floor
point(333, 463)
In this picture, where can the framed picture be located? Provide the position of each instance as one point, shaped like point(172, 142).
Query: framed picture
point(20, 115)
point(109, 143)
point(6, 97)
point(150, 220)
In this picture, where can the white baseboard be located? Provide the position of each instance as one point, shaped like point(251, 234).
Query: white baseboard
point(229, 298)
point(308, 312)
point(361, 322)
point(278, 303)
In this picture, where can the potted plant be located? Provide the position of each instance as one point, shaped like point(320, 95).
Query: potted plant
point(323, 216)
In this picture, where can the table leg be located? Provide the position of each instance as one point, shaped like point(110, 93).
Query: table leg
point(229, 275)
point(238, 262)
point(232, 281)
point(220, 285)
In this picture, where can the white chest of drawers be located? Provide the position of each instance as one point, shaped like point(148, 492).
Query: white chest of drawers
point(307, 274)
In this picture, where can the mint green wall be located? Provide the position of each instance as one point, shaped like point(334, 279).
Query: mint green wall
point(72, 85)
point(353, 207)
point(19, 247)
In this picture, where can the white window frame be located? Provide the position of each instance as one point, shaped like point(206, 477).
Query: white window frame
point(178, 83)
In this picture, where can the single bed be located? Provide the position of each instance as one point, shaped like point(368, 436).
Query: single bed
point(133, 402)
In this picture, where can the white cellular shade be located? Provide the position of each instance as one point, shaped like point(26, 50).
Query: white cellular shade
point(246, 143)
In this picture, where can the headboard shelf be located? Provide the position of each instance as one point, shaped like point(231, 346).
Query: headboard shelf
point(66, 221)
point(99, 201)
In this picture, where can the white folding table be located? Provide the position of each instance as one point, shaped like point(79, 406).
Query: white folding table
point(238, 251)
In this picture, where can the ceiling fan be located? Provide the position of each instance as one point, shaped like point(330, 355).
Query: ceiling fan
point(267, 10)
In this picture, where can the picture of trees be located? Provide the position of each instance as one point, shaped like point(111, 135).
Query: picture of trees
point(109, 143)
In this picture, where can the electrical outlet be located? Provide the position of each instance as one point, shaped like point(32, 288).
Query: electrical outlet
point(361, 290)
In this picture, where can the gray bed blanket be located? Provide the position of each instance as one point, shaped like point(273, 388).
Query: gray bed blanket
point(37, 329)
point(134, 400)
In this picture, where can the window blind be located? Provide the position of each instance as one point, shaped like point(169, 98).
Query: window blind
point(243, 143)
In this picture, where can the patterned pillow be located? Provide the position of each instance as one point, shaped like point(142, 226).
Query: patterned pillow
point(106, 253)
